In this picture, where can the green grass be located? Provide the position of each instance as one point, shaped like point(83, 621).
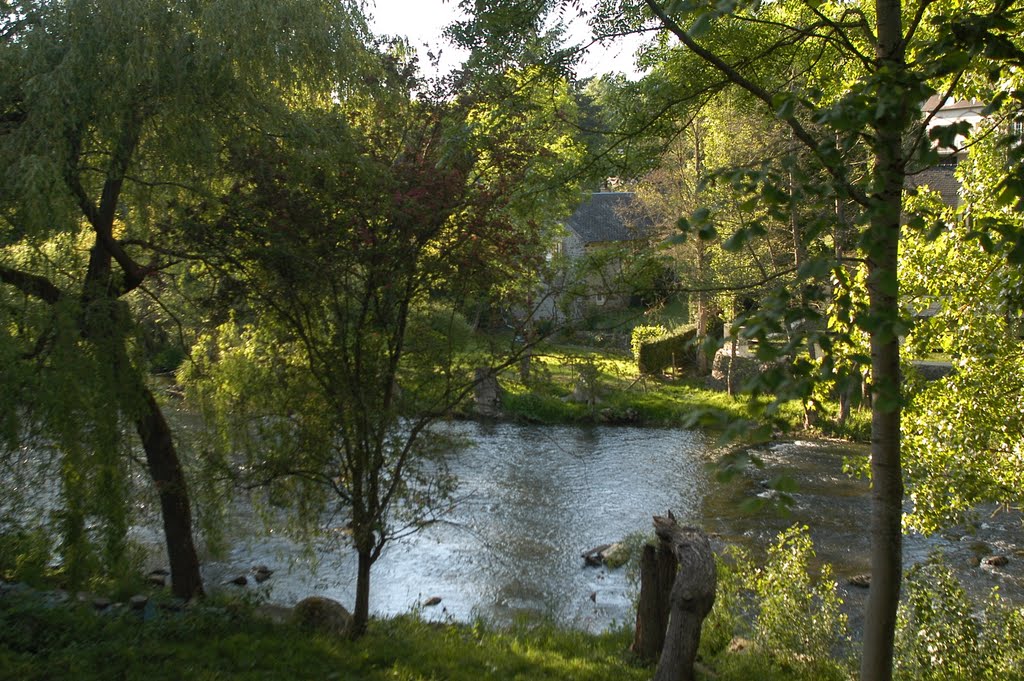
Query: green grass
point(623, 396)
point(72, 642)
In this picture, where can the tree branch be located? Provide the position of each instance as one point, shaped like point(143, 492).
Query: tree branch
point(760, 93)
point(32, 285)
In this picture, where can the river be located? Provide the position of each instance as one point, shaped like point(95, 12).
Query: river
point(532, 499)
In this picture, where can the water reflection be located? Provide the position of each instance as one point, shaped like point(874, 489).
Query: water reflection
point(534, 498)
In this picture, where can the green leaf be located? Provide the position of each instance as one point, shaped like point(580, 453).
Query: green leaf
point(707, 233)
point(700, 26)
point(736, 242)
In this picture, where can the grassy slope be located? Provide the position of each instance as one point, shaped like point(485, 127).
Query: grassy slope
point(65, 642)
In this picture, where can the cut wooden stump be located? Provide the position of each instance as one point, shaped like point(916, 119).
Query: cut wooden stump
point(674, 603)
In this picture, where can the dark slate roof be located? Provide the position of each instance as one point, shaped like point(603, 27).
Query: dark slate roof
point(940, 178)
point(608, 216)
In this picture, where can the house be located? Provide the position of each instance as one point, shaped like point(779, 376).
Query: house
point(604, 219)
point(942, 176)
point(603, 229)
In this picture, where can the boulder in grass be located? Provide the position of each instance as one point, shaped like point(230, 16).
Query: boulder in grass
point(325, 615)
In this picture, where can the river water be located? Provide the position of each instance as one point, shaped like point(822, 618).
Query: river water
point(532, 499)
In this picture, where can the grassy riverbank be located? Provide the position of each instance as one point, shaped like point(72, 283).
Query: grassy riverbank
point(58, 642)
point(561, 378)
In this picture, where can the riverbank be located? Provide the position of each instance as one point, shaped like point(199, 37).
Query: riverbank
point(42, 640)
point(586, 386)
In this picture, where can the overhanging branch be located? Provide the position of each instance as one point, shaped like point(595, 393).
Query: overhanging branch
point(32, 285)
point(737, 78)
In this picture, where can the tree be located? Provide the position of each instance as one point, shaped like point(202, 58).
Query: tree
point(693, 177)
point(112, 114)
point(354, 248)
point(872, 68)
point(963, 433)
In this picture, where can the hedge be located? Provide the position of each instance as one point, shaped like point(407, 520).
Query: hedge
point(678, 351)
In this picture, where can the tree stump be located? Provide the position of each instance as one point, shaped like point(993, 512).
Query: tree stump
point(657, 573)
point(673, 605)
point(486, 393)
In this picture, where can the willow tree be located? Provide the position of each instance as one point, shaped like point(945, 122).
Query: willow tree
point(112, 117)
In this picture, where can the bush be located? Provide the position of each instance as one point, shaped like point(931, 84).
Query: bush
point(678, 351)
point(940, 637)
point(792, 622)
point(798, 617)
point(644, 334)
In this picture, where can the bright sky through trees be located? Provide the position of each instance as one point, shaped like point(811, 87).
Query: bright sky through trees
point(423, 21)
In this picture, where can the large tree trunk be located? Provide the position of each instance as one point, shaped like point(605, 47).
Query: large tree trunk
point(882, 246)
point(104, 323)
point(165, 470)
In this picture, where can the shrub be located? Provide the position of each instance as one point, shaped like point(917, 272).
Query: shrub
point(793, 622)
point(645, 334)
point(797, 616)
point(677, 351)
point(940, 637)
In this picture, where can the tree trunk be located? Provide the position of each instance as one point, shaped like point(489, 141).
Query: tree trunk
point(104, 326)
point(165, 470)
point(882, 246)
point(361, 614)
point(886, 474)
point(691, 598)
point(657, 574)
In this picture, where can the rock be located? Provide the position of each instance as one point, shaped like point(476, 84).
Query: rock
point(487, 394)
point(862, 581)
point(173, 605)
point(994, 561)
point(615, 555)
point(744, 368)
point(101, 603)
point(273, 612)
point(261, 573)
point(322, 614)
point(614, 417)
point(58, 596)
point(432, 601)
point(138, 601)
point(595, 556)
point(13, 588)
point(158, 577)
point(240, 580)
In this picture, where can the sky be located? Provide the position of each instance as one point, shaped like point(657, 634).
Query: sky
point(422, 21)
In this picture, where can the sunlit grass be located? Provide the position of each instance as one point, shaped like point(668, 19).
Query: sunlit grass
point(624, 396)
